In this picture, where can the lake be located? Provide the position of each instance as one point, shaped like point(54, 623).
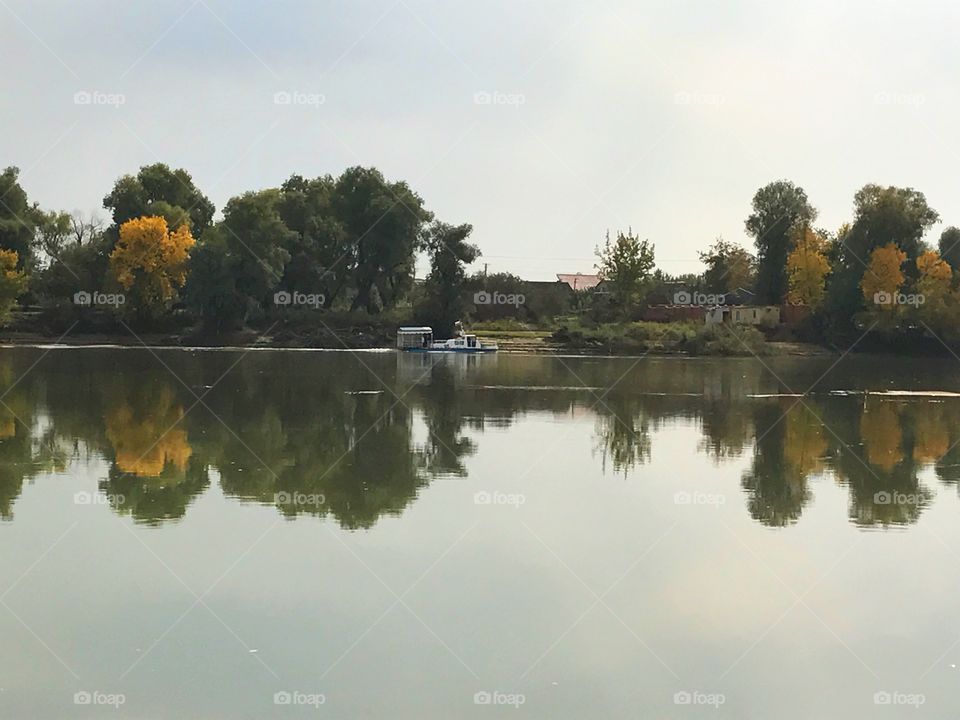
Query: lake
point(251, 534)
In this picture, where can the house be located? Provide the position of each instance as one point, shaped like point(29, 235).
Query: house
point(579, 281)
point(763, 315)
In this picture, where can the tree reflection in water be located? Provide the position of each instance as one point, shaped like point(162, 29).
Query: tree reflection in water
point(328, 434)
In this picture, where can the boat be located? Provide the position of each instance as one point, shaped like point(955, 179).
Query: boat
point(420, 339)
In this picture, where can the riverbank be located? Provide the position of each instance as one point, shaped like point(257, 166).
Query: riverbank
point(519, 342)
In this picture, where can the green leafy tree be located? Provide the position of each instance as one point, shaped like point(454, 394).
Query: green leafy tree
point(626, 265)
point(355, 238)
point(17, 218)
point(258, 239)
point(444, 302)
point(54, 230)
point(383, 223)
point(239, 263)
point(158, 190)
point(211, 287)
point(729, 267)
point(884, 215)
point(322, 258)
point(77, 267)
point(949, 247)
point(777, 208)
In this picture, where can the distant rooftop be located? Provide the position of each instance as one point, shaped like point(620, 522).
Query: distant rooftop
point(579, 281)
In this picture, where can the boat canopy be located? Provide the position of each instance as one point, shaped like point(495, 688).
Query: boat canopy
point(414, 337)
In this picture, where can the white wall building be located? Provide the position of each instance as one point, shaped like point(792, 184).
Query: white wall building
point(765, 315)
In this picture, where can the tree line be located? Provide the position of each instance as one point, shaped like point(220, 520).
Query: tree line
point(350, 242)
point(875, 273)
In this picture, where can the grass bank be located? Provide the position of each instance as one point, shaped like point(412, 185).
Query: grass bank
point(664, 338)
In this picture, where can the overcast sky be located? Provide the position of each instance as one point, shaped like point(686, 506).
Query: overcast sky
point(542, 123)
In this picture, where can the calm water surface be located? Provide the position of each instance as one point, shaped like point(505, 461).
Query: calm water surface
point(311, 534)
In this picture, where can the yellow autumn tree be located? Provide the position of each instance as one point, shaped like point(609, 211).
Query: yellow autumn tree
point(12, 283)
point(150, 262)
point(934, 287)
point(883, 278)
point(807, 267)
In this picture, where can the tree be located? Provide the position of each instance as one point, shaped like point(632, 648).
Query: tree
point(883, 277)
point(626, 265)
point(322, 257)
point(12, 283)
point(150, 262)
point(807, 267)
point(240, 261)
point(78, 267)
point(949, 247)
point(882, 216)
point(85, 230)
point(777, 209)
point(729, 267)
point(885, 215)
point(211, 287)
point(257, 239)
point(17, 218)
point(158, 190)
point(444, 301)
point(382, 223)
point(53, 230)
point(934, 286)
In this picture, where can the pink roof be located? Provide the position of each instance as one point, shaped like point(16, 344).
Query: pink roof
point(579, 281)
